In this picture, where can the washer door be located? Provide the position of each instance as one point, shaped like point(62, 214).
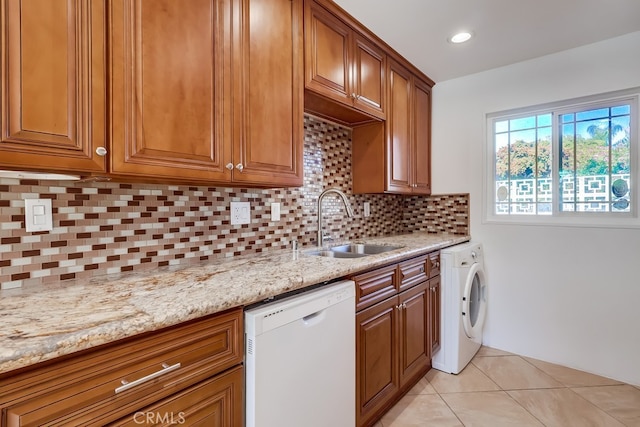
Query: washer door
point(474, 302)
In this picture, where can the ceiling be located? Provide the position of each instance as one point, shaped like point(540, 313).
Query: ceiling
point(505, 31)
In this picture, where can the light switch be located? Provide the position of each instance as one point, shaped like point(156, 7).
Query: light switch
point(275, 211)
point(38, 215)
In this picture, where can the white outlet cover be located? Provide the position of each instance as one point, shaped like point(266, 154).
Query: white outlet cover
point(38, 215)
point(240, 213)
point(367, 209)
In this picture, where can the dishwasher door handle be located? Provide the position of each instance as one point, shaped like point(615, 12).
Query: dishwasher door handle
point(314, 318)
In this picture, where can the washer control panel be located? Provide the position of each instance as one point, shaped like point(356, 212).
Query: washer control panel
point(466, 254)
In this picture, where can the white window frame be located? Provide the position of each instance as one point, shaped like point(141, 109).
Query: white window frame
point(580, 219)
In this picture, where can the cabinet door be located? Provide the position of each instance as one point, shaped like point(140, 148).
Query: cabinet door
point(170, 93)
point(421, 137)
point(369, 71)
point(268, 92)
point(398, 130)
point(53, 85)
point(377, 358)
point(434, 313)
point(214, 402)
point(327, 44)
point(415, 347)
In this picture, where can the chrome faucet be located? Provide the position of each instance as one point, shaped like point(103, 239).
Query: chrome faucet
point(347, 206)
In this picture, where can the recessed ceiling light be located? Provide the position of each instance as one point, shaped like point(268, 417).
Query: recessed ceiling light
point(460, 37)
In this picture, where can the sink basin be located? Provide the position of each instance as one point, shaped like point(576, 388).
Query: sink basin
point(353, 250)
point(336, 254)
point(363, 249)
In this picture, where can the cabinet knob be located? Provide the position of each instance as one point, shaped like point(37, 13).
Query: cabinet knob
point(239, 167)
point(229, 166)
point(101, 151)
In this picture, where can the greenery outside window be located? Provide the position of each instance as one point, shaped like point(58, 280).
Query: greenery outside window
point(574, 160)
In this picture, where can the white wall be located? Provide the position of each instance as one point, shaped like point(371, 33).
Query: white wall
point(566, 295)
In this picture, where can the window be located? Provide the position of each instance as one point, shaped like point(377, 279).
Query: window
point(575, 159)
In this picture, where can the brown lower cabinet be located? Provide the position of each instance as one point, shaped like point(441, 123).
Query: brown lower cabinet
point(394, 334)
point(190, 374)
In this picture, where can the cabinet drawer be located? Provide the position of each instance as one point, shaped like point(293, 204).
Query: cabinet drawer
point(413, 271)
point(434, 264)
point(375, 286)
point(87, 389)
point(213, 402)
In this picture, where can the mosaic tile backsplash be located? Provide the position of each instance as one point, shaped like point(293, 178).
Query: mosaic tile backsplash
point(104, 227)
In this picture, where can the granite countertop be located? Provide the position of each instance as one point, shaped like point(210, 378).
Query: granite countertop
point(43, 322)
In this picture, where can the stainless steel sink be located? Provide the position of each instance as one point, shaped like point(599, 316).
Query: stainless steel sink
point(353, 250)
point(335, 254)
point(363, 249)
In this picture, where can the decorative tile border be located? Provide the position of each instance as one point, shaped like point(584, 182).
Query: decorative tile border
point(103, 227)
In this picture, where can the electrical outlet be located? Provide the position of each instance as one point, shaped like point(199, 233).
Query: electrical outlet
point(38, 215)
point(367, 209)
point(240, 213)
point(275, 212)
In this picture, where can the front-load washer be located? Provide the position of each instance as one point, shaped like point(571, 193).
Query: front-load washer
point(463, 306)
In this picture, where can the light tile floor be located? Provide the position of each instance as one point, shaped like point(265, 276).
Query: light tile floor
point(499, 389)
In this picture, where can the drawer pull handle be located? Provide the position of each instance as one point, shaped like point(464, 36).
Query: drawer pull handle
point(165, 370)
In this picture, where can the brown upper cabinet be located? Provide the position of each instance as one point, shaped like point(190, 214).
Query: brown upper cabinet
point(207, 90)
point(354, 78)
point(268, 92)
point(408, 132)
point(344, 69)
point(395, 157)
point(169, 94)
point(203, 91)
point(53, 85)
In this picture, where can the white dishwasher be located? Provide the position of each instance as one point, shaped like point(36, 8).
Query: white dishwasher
point(300, 360)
